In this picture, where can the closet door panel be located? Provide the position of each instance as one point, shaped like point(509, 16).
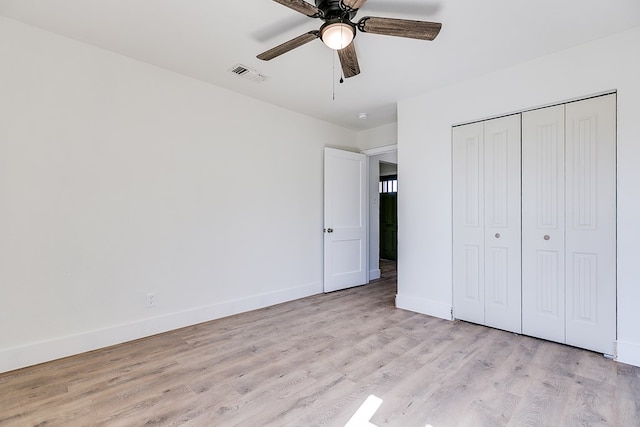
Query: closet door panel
point(468, 222)
point(502, 223)
point(543, 251)
point(591, 223)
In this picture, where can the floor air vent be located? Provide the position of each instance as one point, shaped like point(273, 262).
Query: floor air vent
point(248, 73)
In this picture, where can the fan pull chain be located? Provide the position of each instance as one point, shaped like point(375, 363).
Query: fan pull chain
point(333, 77)
point(342, 38)
point(333, 73)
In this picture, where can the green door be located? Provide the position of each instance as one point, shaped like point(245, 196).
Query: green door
point(389, 225)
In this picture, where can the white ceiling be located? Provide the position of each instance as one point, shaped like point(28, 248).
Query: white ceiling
point(205, 38)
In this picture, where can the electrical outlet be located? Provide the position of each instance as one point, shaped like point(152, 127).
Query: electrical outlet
point(151, 299)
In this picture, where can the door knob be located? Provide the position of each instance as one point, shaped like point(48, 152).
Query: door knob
point(547, 237)
point(329, 230)
point(497, 235)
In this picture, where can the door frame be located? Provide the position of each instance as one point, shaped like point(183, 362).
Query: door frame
point(374, 206)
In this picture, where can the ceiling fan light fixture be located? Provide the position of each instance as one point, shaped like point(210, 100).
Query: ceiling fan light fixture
point(337, 35)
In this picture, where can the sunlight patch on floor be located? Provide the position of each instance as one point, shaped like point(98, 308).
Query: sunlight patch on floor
point(365, 412)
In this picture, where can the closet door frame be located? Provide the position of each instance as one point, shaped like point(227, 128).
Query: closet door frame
point(567, 239)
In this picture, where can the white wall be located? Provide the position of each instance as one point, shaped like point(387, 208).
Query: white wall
point(118, 178)
point(381, 136)
point(424, 145)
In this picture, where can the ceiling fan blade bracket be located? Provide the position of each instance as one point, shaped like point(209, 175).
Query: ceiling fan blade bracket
point(362, 23)
point(303, 7)
point(351, 5)
point(346, 8)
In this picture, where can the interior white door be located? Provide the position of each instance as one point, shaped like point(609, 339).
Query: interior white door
point(345, 219)
point(591, 223)
point(543, 251)
point(502, 228)
point(468, 222)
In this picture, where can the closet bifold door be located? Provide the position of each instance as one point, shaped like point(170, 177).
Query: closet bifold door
point(486, 223)
point(591, 223)
point(543, 252)
point(468, 222)
point(502, 249)
point(569, 223)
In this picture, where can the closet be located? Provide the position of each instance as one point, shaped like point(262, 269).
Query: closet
point(534, 229)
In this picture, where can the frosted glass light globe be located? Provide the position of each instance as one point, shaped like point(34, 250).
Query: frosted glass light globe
point(337, 36)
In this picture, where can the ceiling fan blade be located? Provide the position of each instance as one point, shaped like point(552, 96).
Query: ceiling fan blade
point(349, 61)
point(290, 45)
point(354, 4)
point(301, 6)
point(422, 30)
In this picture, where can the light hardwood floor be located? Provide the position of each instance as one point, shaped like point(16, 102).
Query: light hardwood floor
point(314, 362)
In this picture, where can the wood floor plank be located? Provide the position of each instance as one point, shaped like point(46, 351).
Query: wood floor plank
point(314, 361)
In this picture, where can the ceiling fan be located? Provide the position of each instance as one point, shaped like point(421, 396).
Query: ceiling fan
point(338, 31)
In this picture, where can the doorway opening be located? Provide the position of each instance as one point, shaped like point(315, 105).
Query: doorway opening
point(388, 189)
point(383, 189)
point(388, 214)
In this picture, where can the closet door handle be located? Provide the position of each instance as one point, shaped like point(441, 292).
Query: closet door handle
point(497, 235)
point(546, 237)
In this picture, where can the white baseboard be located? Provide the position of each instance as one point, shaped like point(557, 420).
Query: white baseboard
point(374, 274)
point(44, 351)
point(424, 306)
point(628, 352)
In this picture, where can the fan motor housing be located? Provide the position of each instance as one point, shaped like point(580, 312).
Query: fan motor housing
point(333, 12)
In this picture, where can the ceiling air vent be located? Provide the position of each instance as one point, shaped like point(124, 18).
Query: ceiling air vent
point(248, 73)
